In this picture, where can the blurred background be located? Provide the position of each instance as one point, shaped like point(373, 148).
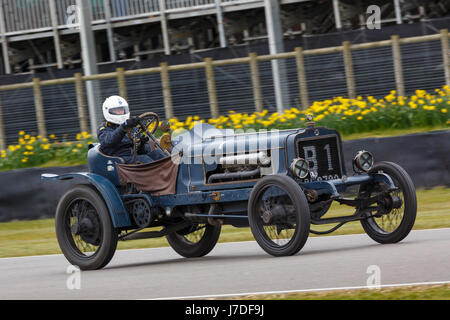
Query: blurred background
point(378, 71)
point(42, 39)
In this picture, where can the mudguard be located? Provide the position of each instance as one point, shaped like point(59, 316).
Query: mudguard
point(111, 196)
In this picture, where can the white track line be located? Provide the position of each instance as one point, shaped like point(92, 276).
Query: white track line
point(303, 291)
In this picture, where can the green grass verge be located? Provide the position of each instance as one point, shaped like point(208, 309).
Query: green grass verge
point(37, 237)
point(427, 292)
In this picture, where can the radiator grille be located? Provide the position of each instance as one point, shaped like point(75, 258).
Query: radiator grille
point(322, 155)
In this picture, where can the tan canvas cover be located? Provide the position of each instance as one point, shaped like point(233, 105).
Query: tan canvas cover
point(157, 178)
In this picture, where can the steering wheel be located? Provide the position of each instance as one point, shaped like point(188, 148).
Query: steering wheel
point(145, 120)
point(148, 123)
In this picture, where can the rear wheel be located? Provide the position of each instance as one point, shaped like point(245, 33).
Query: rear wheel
point(395, 225)
point(84, 228)
point(278, 215)
point(195, 241)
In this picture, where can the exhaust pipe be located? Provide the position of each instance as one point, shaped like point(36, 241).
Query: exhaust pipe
point(260, 158)
point(241, 175)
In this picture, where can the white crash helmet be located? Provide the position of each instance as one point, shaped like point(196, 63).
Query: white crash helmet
point(116, 110)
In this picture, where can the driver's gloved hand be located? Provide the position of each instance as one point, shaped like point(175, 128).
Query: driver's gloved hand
point(142, 144)
point(130, 123)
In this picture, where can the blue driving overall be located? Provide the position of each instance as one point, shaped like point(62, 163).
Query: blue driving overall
point(114, 141)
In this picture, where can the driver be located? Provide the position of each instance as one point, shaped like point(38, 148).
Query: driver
point(113, 136)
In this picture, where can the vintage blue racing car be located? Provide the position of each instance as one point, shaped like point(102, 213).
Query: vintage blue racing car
point(276, 182)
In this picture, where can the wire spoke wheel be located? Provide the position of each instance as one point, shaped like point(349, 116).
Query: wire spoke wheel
point(276, 216)
point(84, 228)
point(196, 235)
point(388, 222)
point(279, 215)
point(83, 225)
point(395, 224)
point(391, 221)
point(195, 241)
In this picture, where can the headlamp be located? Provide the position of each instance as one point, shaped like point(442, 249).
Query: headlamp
point(300, 168)
point(363, 160)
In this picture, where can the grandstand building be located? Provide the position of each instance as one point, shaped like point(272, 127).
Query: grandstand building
point(42, 35)
point(153, 53)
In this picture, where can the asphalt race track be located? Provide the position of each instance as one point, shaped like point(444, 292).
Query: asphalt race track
point(233, 268)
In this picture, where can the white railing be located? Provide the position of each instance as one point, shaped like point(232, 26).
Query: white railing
point(22, 15)
point(65, 8)
point(177, 4)
point(120, 8)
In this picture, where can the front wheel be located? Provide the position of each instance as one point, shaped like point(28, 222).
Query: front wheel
point(194, 241)
point(84, 228)
point(279, 216)
point(395, 225)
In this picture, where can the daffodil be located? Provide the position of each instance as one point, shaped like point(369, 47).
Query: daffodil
point(85, 135)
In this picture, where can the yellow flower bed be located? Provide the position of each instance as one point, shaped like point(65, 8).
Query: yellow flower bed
point(35, 150)
point(347, 115)
point(422, 109)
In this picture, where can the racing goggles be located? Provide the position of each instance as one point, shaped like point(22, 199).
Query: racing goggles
point(119, 111)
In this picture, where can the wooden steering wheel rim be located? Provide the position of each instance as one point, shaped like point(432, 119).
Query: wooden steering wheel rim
point(148, 114)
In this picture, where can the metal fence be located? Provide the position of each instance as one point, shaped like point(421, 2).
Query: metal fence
point(210, 88)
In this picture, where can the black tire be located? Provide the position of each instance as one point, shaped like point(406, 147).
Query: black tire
point(85, 198)
point(300, 215)
point(195, 241)
point(404, 216)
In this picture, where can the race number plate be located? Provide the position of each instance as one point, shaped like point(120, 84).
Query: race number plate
point(323, 157)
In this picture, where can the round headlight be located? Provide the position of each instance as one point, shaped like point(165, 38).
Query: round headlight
point(300, 168)
point(364, 160)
